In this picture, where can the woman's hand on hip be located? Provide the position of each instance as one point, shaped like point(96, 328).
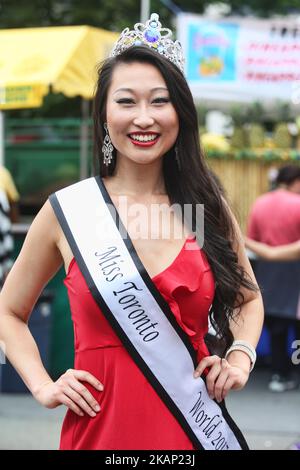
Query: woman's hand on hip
point(222, 376)
point(68, 390)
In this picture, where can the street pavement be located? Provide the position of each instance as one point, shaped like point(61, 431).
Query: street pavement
point(269, 421)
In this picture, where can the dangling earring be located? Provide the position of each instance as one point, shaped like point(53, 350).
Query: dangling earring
point(177, 158)
point(107, 147)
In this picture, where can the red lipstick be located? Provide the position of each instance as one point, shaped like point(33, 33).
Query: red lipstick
point(139, 143)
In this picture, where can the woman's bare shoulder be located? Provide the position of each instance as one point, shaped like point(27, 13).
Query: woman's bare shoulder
point(46, 222)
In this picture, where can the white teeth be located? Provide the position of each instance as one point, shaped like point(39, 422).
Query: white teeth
point(143, 138)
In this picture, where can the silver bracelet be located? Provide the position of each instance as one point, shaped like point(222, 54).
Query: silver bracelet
point(241, 345)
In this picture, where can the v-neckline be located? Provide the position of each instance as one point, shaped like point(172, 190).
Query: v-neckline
point(173, 262)
point(151, 277)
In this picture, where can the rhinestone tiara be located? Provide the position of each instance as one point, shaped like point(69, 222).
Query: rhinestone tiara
point(154, 36)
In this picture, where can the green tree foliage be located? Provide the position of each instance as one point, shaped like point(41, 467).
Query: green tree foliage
point(263, 8)
point(108, 14)
point(117, 14)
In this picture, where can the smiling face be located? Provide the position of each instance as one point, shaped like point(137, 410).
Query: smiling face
point(142, 122)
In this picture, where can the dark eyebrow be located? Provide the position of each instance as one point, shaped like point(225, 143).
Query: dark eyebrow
point(132, 91)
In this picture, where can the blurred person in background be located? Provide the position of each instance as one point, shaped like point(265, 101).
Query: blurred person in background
point(275, 222)
point(8, 186)
point(279, 253)
point(9, 197)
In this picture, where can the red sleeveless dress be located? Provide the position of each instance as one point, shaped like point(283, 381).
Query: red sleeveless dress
point(132, 415)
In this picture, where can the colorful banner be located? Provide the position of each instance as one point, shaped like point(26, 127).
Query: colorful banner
point(212, 52)
point(240, 59)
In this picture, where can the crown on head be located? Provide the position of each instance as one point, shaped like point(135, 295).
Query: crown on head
point(154, 36)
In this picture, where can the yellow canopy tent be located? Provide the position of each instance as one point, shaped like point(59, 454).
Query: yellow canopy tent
point(62, 59)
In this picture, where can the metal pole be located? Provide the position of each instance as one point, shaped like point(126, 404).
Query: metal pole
point(2, 138)
point(84, 140)
point(145, 10)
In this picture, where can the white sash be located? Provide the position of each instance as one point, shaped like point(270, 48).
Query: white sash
point(139, 314)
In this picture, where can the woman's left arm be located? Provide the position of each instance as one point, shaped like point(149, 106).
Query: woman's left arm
point(233, 373)
point(247, 325)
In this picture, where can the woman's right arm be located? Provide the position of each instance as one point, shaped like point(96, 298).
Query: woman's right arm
point(274, 253)
point(37, 263)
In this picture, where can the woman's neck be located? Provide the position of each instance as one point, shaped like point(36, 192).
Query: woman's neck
point(137, 180)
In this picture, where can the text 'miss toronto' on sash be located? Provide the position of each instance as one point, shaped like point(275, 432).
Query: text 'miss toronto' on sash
point(139, 314)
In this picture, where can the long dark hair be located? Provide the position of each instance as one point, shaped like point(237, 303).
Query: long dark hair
point(188, 181)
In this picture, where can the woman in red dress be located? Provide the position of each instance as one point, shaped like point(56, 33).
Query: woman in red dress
point(146, 138)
